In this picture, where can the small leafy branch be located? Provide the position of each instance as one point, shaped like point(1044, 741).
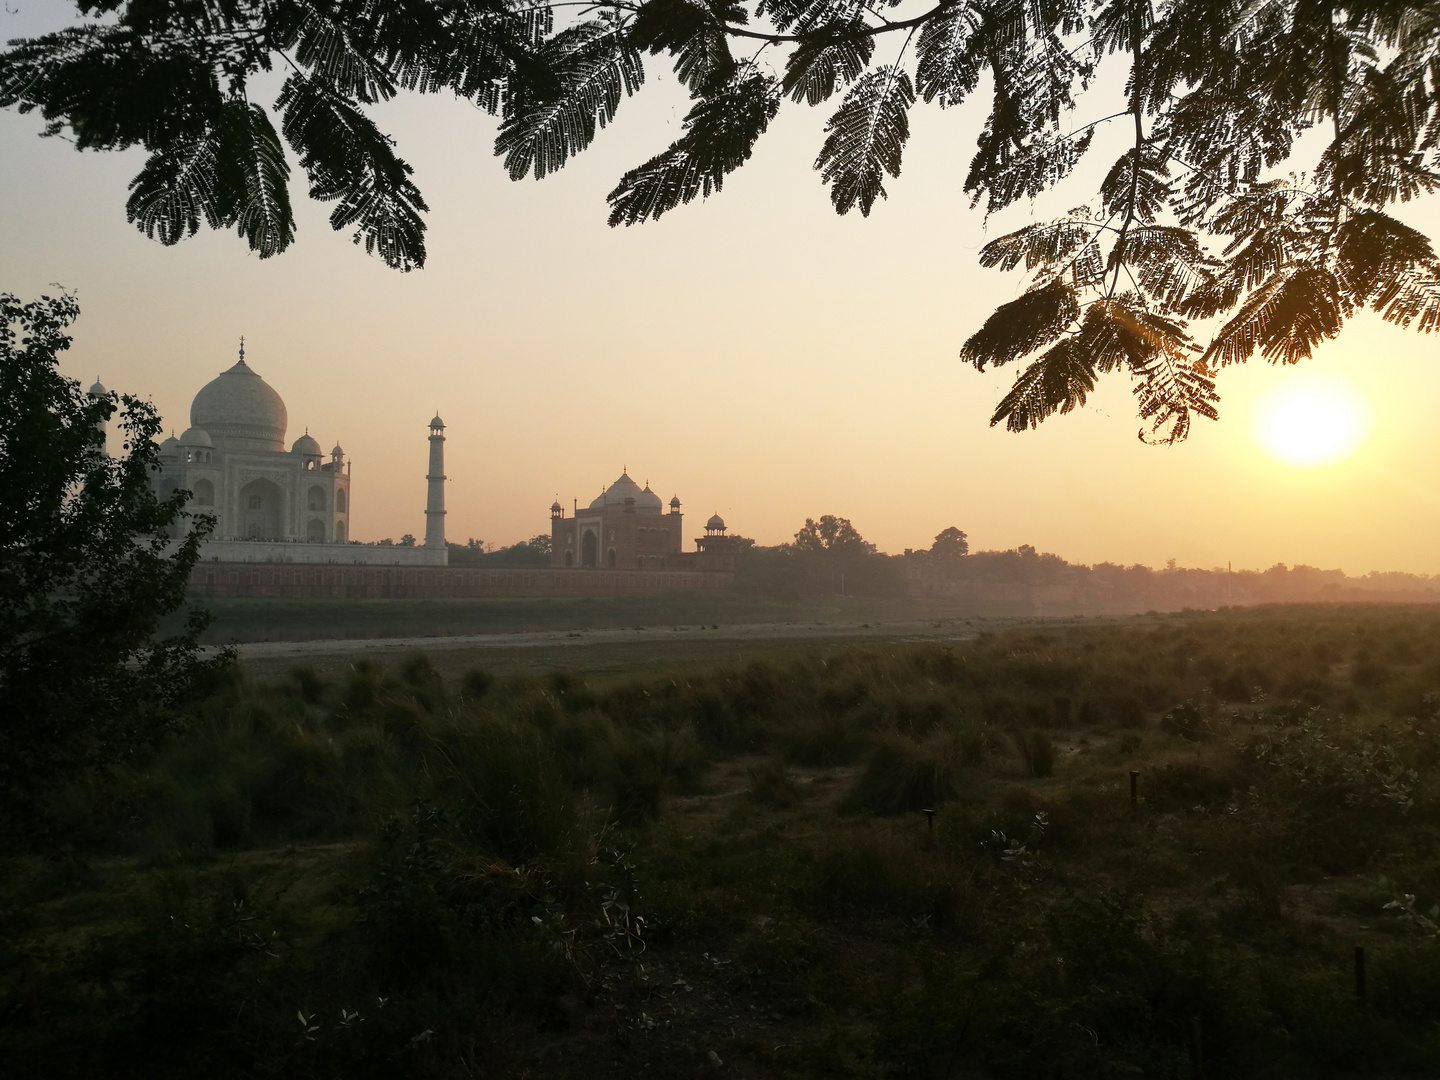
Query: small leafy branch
point(1020, 850)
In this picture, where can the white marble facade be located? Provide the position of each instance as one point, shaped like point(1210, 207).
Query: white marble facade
point(270, 504)
point(233, 461)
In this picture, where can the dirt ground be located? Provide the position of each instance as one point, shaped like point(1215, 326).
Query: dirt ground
point(611, 650)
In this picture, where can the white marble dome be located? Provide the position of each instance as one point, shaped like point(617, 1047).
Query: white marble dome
point(306, 445)
point(241, 411)
point(195, 436)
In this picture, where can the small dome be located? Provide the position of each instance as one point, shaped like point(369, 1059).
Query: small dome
point(195, 436)
point(555, 507)
point(335, 451)
point(97, 390)
point(240, 410)
point(647, 500)
point(437, 424)
point(715, 522)
point(674, 502)
point(306, 445)
point(170, 446)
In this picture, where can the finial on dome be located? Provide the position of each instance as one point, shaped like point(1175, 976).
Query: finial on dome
point(242, 348)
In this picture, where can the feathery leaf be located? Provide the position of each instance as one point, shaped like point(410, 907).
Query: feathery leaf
point(348, 159)
point(592, 71)
point(1057, 382)
point(1286, 317)
point(832, 55)
point(720, 134)
point(251, 163)
point(176, 191)
point(866, 138)
point(949, 58)
point(1025, 324)
point(693, 31)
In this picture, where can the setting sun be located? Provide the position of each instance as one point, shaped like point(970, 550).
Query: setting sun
point(1309, 421)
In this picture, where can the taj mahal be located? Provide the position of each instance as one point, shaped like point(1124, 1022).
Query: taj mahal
point(282, 518)
point(276, 505)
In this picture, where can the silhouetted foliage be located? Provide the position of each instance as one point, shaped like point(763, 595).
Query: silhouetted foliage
point(827, 557)
point(1188, 223)
point(88, 567)
point(532, 552)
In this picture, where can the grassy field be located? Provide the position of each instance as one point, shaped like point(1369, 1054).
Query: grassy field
point(909, 859)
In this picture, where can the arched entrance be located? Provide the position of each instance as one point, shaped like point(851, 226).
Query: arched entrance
point(610, 558)
point(204, 493)
point(589, 550)
point(260, 503)
point(315, 530)
point(340, 532)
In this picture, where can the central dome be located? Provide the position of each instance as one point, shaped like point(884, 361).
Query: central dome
point(616, 494)
point(614, 497)
point(240, 411)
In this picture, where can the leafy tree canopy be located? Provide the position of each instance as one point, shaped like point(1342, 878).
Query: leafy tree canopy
point(1193, 222)
point(950, 543)
point(831, 535)
point(87, 569)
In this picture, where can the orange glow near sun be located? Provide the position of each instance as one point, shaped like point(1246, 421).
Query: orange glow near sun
point(1310, 421)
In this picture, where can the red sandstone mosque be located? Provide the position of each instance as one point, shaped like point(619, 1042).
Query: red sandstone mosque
point(626, 527)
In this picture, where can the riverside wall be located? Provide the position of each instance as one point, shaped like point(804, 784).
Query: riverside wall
point(307, 553)
point(311, 581)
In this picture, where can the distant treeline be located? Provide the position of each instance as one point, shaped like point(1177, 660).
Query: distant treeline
point(532, 552)
point(829, 557)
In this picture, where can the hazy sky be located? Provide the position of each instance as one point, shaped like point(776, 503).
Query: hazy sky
point(755, 354)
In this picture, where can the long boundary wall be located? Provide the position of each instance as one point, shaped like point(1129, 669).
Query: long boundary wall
point(306, 553)
point(300, 581)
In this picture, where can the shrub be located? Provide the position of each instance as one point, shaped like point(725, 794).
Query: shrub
point(1181, 785)
point(308, 682)
point(1113, 711)
point(868, 873)
point(1037, 752)
point(901, 776)
point(476, 683)
point(648, 764)
point(586, 744)
point(1187, 721)
point(771, 785)
point(824, 738)
point(502, 788)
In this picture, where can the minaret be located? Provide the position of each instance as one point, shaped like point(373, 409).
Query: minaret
point(435, 502)
point(94, 394)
